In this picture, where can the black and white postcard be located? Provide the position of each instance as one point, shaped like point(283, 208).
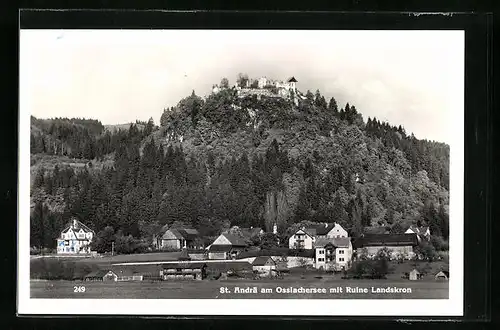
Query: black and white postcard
point(241, 172)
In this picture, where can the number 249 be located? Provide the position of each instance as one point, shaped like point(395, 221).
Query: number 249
point(79, 289)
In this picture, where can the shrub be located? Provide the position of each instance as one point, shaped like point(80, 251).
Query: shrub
point(129, 245)
point(439, 243)
point(426, 251)
point(369, 269)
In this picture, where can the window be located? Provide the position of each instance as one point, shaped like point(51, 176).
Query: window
point(341, 251)
point(341, 259)
point(321, 259)
point(321, 251)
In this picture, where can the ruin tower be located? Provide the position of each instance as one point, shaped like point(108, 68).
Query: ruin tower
point(292, 83)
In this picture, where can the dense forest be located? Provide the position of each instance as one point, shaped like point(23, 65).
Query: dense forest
point(227, 161)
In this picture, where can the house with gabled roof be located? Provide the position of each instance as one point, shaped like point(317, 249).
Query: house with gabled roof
point(264, 266)
point(101, 275)
point(333, 253)
point(305, 236)
point(422, 232)
point(158, 235)
point(226, 246)
point(180, 238)
point(302, 239)
point(442, 275)
point(399, 245)
point(330, 230)
point(75, 238)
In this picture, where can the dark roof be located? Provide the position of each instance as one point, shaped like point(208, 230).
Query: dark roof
point(386, 239)
point(185, 265)
point(220, 248)
point(235, 240)
point(175, 232)
point(375, 230)
point(324, 229)
point(184, 233)
point(98, 273)
point(336, 241)
point(292, 80)
point(188, 233)
point(319, 229)
point(262, 260)
point(196, 251)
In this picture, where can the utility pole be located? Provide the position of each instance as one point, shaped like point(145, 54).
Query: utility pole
point(112, 248)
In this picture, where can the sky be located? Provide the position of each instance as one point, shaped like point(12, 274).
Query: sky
point(409, 78)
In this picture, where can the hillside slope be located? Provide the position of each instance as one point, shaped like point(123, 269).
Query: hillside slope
point(227, 160)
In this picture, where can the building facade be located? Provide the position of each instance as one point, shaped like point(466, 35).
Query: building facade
point(400, 246)
point(101, 276)
point(75, 239)
point(305, 237)
point(333, 253)
point(264, 266)
point(302, 239)
point(226, 246)
point(181, 238)
point(184, 271)
point(330, 230)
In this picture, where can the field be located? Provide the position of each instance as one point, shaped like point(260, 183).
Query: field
point(206, 289)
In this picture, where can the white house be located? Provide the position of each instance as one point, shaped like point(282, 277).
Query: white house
point(302, 239)
point(305, 237)
point(330, 230)
point(333, 253)
point(75, 239)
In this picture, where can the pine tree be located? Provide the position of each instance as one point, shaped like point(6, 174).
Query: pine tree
point(332, 106)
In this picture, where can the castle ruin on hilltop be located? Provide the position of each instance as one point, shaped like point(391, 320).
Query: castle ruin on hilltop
point(266, 87)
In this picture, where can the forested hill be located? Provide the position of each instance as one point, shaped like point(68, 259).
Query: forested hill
point(224, 161)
